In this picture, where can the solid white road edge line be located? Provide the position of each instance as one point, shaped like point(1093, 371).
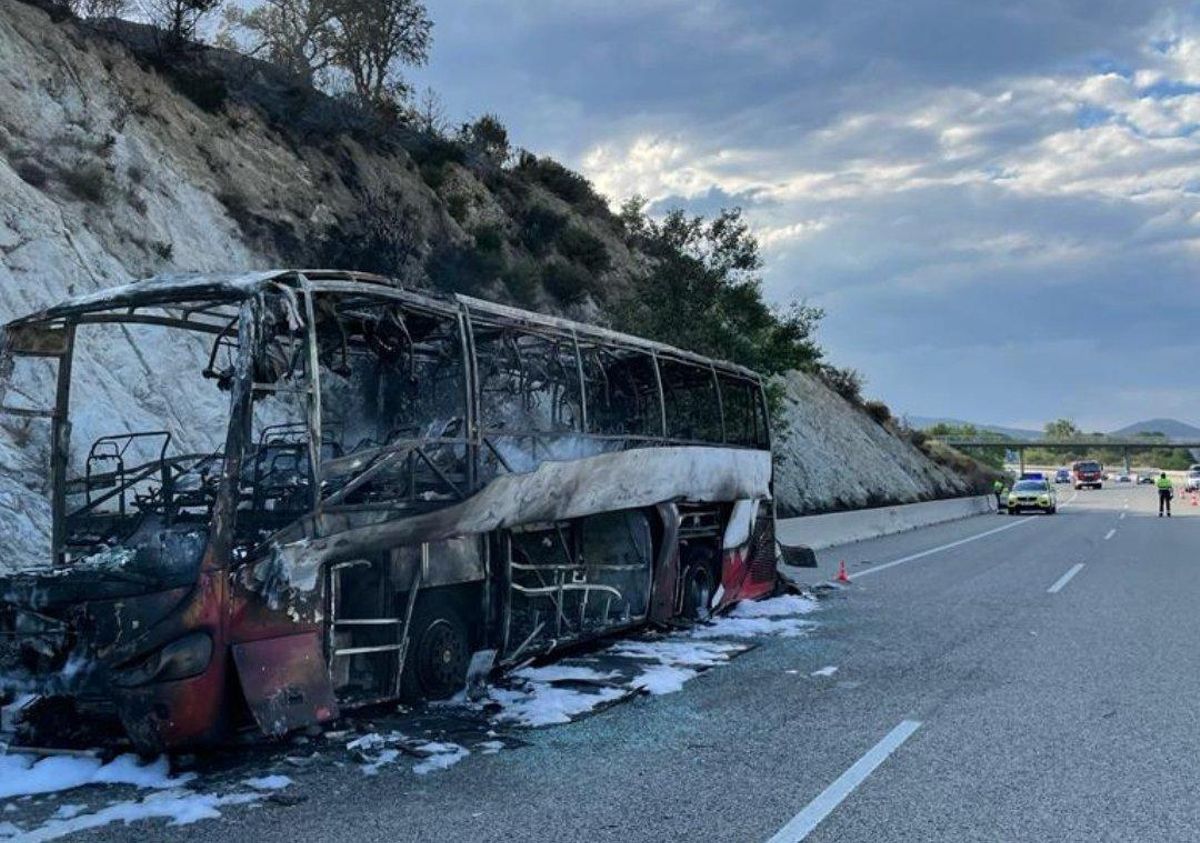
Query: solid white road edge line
point(1065, 578)
point(803, 823)
point(1110, 534)
point(940, 548)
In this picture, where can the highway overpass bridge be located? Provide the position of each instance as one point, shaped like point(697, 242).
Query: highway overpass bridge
point(1083, 443)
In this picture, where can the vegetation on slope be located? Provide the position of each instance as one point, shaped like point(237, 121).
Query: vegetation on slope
point(508, 225)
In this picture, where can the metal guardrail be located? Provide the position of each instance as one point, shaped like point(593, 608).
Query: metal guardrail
point(1082, 442)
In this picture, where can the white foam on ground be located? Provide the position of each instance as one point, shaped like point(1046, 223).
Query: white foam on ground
point(272, 782)
point(442, 756)
point(379, 750)
point(780, 616)
point(66, 812)
point(178, 807)
point(565, 673)
point(663, 679)
point(774, 607)
point(672, 661)
point(25, 775)
point(679, 650)
point(734, 626)
point(676, 661)
point(21, 775)
point(385, 757)
point(543, 704)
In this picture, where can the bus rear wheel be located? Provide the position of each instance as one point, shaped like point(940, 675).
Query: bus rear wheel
point(439, 651)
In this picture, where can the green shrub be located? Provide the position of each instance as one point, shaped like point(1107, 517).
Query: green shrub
point(464, 269)
point(488, 137)
point(847, 383)
point(583, 247)
point(436, 151)
point(32, 173)
point(433, 175)
point(382, 238)
point(878, 410)
point(540, 227)
point(489, 238)
point(523, 279)
point(457, 206)
point(563, 183)
point(566, 282)
point(205, 87)
point(88, 180)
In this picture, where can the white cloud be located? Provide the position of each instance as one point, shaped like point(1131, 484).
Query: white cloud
point(928, 171)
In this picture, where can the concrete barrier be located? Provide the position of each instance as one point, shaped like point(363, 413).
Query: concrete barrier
point(834, 528)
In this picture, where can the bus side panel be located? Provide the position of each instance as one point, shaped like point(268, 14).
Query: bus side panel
point(575, 580)
point(286, 682)
point(748, 557)
point(666, 566)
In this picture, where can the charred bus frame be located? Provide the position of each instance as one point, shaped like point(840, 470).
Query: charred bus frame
point(521, 482)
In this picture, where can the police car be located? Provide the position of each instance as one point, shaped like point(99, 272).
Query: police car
point(1032, 494)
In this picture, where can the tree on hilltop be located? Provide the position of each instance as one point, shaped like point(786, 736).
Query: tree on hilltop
point(374, 39)
point(179, 19)
point(368, 41)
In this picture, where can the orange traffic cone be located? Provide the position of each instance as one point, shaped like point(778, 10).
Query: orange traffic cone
point(841, 575)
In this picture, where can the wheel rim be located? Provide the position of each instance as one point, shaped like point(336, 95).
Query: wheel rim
point(442, 659)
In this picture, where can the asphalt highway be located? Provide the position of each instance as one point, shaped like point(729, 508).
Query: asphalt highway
point(1038, 682)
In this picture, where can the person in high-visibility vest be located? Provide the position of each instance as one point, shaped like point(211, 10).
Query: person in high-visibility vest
point(998, 491)
point(1165, 493)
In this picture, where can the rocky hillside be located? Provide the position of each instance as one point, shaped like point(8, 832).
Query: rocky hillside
point(114, 166)
point(830, 455)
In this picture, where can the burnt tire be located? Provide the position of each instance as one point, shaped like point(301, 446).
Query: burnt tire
point(439, 651)
point(697, 593)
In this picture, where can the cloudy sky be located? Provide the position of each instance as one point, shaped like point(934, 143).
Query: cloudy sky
point(997, 204)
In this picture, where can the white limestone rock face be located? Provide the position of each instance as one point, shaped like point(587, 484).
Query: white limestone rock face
point(830, 455)
point(96, 190)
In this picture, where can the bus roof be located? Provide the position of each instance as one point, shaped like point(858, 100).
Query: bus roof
point(232, 287)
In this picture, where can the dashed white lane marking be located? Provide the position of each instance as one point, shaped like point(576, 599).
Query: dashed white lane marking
point(1065, 578)
point(804, 822)
point(1122, 518)
point(1110, 534)
point(940, 548)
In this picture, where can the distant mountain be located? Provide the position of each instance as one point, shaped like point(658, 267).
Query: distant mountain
point(1171, 428)
point(923, 422)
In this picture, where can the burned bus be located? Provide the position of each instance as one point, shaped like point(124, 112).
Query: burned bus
point(333, 491)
